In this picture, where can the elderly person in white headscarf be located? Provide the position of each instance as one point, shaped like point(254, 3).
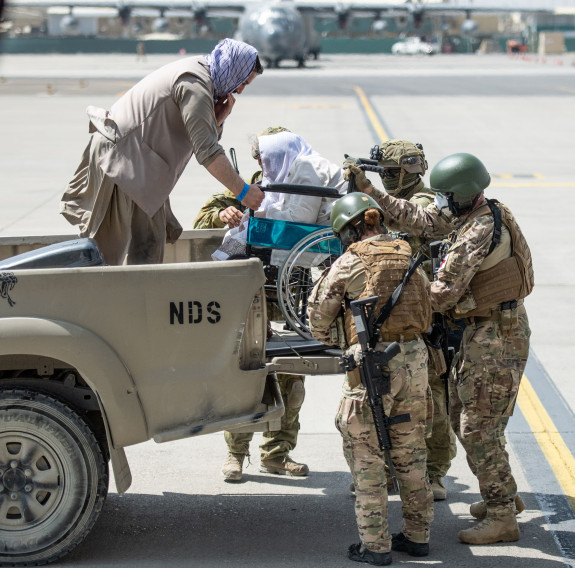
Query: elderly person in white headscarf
point(286, 157)
point(140, 147)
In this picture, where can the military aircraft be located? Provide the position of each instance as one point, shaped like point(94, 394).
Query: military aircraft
point(281, 29)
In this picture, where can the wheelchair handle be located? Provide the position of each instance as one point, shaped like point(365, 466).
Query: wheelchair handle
point(367, 165)
point(296, 189)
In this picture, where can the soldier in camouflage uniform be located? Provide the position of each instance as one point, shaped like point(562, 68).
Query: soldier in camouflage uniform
point(484, 277)
point(374, 264)
point(221, 210)
point(405, 164)
point(276, 445)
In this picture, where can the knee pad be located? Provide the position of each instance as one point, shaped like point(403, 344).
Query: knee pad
point(295, 394)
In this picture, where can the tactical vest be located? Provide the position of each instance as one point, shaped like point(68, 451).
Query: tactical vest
point(510, 279)
point(385, 263)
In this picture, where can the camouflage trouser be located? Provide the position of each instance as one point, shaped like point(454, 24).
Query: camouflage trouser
point(483, 390)
point(280, 443)
point(441, 445)
point(366, 461)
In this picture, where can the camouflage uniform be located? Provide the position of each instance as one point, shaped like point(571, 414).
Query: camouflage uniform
point(208, 217)
point(441, 445)
point(279, 443)
point(486, 375)
point(408, 162)
point(408, 373)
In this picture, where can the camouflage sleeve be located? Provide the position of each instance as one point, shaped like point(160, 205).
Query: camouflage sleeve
point(422, 198)
point(402, 215)
point(326, 299)
point(461, 263)
point(208, 216)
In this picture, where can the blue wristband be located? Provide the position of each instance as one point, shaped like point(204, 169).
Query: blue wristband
point(244, 192)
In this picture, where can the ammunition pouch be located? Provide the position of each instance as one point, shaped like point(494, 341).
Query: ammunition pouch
point(350, 367)
point(506, 315)
point(509, 317)
point(354, 378)
point(436, 359)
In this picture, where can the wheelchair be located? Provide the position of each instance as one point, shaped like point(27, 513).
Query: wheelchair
point(295, 255)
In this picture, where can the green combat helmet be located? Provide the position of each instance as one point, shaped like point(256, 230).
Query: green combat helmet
point(405, 163)
point(347, 209)
point(461, 178)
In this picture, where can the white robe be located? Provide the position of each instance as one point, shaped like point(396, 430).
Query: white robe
point(287, 158)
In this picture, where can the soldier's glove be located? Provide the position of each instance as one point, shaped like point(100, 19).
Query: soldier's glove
point(351, 168)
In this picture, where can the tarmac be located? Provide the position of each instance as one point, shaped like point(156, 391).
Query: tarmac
point(516, 114)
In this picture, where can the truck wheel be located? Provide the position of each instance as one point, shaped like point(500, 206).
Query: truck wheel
point(53, 478)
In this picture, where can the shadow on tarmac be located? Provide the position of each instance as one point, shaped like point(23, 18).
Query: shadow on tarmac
point(284, 530)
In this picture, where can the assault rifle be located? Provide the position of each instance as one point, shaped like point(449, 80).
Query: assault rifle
point(374, 372)
point(438, 336)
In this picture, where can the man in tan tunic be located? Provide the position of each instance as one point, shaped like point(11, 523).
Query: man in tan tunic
point(140, 147)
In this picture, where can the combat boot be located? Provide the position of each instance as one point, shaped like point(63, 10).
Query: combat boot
point(501, 528)
point(439, 491)
point(284, 466)
point(232, 468)
point(358, 553)
point(401, 543)
point(479, 509)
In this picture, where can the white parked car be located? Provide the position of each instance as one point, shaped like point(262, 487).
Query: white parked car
point(414, 46)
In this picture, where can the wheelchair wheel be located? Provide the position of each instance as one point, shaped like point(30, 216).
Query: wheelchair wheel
point(300, 271)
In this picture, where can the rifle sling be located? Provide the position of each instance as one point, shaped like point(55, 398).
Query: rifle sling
point(386, 310)
point(496, 212)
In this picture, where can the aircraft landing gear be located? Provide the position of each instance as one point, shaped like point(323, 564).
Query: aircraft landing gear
point(272, 63)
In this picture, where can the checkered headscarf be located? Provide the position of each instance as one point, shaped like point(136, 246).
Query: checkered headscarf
point(231, 63)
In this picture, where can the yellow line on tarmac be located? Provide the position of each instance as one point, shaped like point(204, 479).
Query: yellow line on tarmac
point(379, 130)
point(550, 441)
point(383, 137)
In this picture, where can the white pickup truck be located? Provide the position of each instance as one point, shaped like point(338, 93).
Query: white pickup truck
point(94, 358)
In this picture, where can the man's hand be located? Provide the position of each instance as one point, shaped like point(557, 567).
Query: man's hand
point(221, 168)
point(223, 108)
point(254, 197)
point(230, 216)
point(352, 169)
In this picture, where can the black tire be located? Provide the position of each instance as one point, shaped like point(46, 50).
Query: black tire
point(53, 478)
